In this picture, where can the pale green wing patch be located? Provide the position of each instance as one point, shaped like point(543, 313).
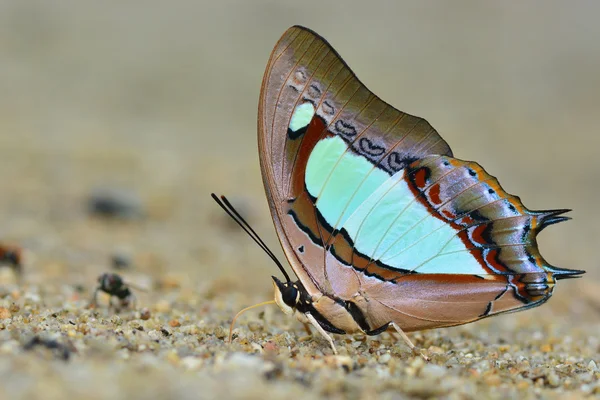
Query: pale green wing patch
point(302, 116)
point(381, 215)
point(341, 181)
point(394, 228)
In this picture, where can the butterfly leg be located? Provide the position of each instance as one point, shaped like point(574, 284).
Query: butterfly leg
point(319, 328)
point(410, 344)
point(307, 328)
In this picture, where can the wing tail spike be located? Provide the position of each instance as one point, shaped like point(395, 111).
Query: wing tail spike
point(551, 217)
point(572, 275)
point(551, 213)
point(564, 273)
point(551, 221)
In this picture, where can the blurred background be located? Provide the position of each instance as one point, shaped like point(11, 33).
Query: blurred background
point(155, 104)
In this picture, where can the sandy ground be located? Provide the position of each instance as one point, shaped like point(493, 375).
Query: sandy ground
point(158, 102)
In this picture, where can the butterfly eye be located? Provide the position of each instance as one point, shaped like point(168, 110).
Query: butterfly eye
point(287, 292)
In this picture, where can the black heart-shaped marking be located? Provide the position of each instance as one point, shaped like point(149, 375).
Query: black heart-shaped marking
point(366, 146)
point(344, 128)
point(314, 91)
point(397, 163)
point(328, 108)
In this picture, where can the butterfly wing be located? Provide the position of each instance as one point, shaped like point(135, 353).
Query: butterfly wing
point(423, 301)
point(371, 207)
point(308, 94)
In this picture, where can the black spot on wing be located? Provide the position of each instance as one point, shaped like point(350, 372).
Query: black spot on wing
point(293, 135)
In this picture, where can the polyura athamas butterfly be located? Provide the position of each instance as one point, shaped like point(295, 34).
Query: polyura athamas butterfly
point(383, 227)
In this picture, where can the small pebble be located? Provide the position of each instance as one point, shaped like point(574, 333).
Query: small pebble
point(384, 358)
point(546, 348)
point(220, 333)
point(254, 326)
point(145, 314)
point(174, 323)
point(190, 330)
point(256, 347)
point(339, 361)
point(417, 363)
point(553, 379)
point(5, 313)
point(271, 346)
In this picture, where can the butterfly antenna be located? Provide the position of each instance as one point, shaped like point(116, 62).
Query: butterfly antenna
point(232, 212)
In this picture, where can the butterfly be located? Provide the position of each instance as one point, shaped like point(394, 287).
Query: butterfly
point(383, 227)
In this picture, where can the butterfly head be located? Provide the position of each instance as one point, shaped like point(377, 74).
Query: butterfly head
point(287, 295)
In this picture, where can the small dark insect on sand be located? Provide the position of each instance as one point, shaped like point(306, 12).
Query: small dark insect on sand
point(113, 285)
point(11, 256)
